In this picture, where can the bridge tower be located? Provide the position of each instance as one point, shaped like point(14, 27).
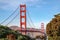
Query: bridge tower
point(23, 18)
point(42, 27)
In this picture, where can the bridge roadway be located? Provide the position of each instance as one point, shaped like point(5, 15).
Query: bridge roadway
point(32, 30)
point(33, 33)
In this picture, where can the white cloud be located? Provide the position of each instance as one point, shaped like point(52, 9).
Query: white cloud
point(24, 1)
point(12, 4)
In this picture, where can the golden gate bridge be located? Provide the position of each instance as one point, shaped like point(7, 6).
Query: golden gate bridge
point(23, 21)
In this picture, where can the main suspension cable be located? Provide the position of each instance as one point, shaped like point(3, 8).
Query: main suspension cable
point(9, 16)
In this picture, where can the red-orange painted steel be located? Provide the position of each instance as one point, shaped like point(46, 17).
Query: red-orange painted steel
point(42, 27)
point(23, 17)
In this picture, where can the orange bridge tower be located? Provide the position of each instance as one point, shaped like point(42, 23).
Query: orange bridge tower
point(23, 18)
point(42, 27)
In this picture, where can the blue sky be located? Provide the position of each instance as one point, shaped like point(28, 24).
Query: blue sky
point(39, 10)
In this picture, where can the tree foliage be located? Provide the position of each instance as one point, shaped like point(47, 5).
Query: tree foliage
point(4, 31)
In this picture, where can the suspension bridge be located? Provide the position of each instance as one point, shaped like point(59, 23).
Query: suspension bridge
point(23, 22)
